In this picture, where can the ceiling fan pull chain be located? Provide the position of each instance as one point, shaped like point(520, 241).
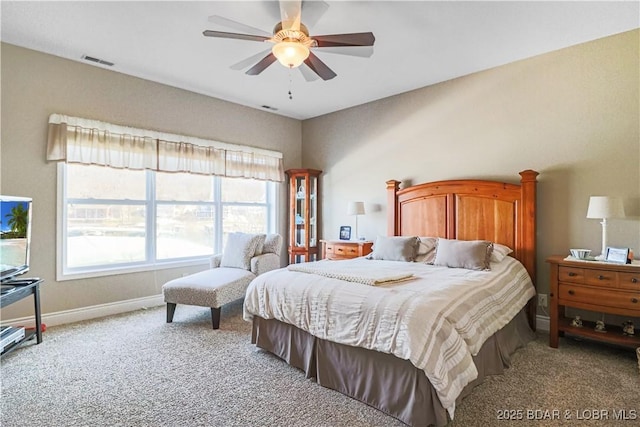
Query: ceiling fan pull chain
point(290, 84)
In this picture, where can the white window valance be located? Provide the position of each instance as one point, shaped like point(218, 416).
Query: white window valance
point(78, 140)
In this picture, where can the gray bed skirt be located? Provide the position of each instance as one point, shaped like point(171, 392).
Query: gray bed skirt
point(383, 381)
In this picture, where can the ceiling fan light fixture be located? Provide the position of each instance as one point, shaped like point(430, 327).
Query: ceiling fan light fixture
point(292, 44)
point(290, 53)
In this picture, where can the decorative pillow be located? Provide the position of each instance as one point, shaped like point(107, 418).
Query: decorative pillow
point(395, 248)
point(241, 247)
point(426, 252)
point(469, 254)
point(500, 252)
point(272, 244)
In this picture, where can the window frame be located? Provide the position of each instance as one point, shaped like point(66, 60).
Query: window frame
point(151, 262)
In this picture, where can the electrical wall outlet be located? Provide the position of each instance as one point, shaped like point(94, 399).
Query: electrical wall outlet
point(542, 300)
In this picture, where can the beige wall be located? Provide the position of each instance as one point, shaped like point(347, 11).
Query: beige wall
point(35, 85)
point(573, 115)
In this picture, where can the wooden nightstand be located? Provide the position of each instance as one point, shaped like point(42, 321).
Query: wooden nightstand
point(594, 286)
point(345, 249)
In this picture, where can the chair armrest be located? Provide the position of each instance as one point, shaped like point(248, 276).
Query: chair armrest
point(263, 263)
point(214, 262)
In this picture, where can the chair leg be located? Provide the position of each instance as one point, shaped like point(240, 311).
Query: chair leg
point(171, 309)
point(215, 317)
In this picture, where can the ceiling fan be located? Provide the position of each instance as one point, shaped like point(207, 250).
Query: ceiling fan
point(292, 43)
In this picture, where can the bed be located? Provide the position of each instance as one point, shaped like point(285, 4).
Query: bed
point(367, 339)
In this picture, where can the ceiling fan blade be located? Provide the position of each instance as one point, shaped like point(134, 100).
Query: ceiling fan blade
point(312, 11)
point(290, 14)
point(353, 39)
point(229, 23)
point(249, 61)
point(222, 34)
point(307, 73)
point(319, 67)
point(361, 51)
point(262, 65)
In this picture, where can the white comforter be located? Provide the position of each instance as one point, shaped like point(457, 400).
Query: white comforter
point(437, 320)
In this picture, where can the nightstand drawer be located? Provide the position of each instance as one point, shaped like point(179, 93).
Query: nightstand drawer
point(345, 249)
point(338, 251)
point(629, 281)
point(571, 274)
point(329, 249)
point(601, 278)
point(603, 297)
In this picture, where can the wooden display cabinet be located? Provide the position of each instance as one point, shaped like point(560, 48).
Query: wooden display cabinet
point(303, 215)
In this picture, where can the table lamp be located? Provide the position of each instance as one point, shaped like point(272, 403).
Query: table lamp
point(355, 208)
point(604, 207)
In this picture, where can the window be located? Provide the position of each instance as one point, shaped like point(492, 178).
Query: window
point(119, 220)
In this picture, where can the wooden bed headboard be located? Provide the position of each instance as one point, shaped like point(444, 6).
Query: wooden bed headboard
point(469, 209)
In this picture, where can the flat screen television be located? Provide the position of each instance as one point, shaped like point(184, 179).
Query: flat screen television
point(15, 236)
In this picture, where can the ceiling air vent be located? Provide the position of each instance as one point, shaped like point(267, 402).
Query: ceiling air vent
point(97, 60)
point(268, 107)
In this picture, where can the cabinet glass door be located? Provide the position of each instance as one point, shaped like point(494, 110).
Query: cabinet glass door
point(313, 211)
point(300, 212)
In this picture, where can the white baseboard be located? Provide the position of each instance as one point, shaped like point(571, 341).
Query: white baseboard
point(91, 312)
point(542, 323)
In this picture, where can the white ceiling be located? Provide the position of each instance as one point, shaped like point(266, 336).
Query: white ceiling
point(417, 43)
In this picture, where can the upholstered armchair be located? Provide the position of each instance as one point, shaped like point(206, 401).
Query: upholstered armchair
point(245, 257)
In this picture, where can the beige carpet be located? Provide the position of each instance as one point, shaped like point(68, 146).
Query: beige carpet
point(136, 370)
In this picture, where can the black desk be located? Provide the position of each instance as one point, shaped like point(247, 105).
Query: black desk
point(24, 288)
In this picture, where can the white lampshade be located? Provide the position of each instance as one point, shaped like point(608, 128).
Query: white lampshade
point(355, 208)
point(290, 54)
point(605, 207)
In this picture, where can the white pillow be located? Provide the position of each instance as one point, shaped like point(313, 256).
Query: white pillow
point(241, 247)
point(394, 248)
point(500, 252)
point(469, 254)
point(426, 252)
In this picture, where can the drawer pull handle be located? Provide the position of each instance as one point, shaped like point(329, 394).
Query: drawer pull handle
point(601, 277)
point(634, 300)
point(572, 274)
point(634, 280)
point(571, 292)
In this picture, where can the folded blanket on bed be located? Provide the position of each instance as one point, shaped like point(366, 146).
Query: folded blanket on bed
point(366, 274)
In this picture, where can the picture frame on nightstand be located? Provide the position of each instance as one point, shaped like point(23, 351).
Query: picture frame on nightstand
point(617, 255)
point(345, 232)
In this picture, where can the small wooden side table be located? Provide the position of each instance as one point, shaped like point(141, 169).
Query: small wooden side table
point(600, 287)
